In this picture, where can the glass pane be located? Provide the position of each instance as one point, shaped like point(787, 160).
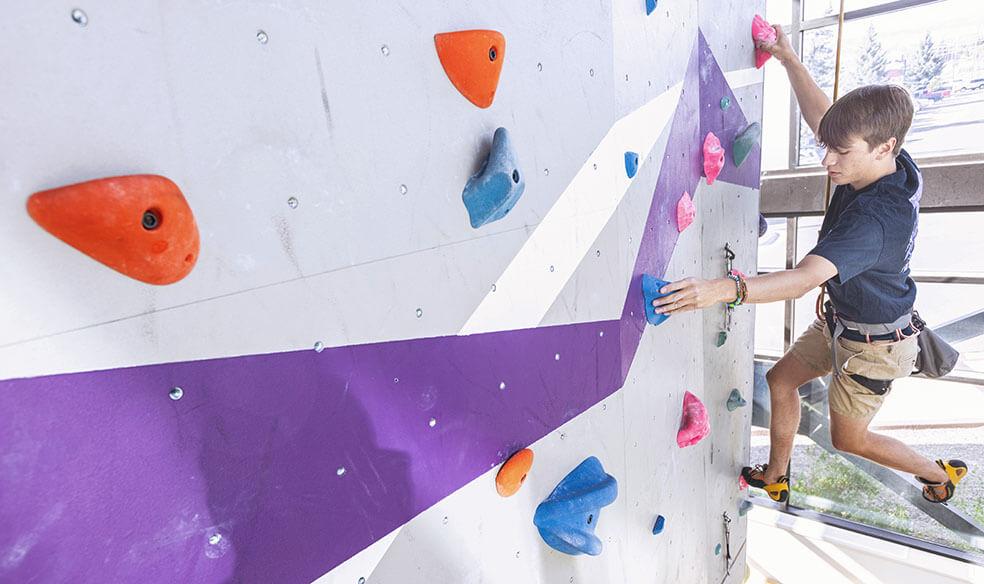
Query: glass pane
point(817, 8)
point(943, 304)
point(822, 479)
point(769, 329)
point(944, 72)
point(825, 481)
point(942, 233)
point(777, 99)
point(772, 245)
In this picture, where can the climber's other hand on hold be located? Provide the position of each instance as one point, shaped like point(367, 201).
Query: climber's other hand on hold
point(782, 49)
point(693, 294)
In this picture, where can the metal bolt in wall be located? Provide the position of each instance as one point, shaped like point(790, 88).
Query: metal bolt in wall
point(80, 17)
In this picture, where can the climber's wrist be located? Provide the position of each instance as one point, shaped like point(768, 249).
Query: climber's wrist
point(725, 290)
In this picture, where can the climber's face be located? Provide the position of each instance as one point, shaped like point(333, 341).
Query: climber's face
point(856, 163)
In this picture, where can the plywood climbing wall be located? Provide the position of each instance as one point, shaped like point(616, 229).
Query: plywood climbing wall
point(328, 394)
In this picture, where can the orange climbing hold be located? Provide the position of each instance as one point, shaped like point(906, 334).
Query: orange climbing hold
point(473, 60)
point(139, 225)
point(513, 473)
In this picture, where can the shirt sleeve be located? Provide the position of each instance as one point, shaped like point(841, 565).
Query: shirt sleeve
point(853, 245)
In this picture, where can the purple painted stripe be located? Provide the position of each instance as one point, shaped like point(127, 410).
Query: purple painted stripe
point(726, 124)
point(105, 479)
point(681, 170)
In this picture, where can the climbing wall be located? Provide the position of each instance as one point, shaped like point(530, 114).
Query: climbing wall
point(328, 394)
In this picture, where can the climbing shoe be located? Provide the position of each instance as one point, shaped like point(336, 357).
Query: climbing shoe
point(943, 492)
point(755, 477)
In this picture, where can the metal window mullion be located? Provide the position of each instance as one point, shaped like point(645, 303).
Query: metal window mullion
point(789, 315)
point(794, 115)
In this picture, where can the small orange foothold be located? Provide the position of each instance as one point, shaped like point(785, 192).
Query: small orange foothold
point(139, 225)
point(513, 473)
point(472, 60)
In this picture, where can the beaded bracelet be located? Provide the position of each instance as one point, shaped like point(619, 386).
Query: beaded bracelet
point(741, 288)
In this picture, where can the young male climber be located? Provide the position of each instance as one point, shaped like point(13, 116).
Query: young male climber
point(866, 338)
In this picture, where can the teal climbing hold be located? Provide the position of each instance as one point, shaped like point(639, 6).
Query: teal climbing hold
point(725, 103)
point(631, 163)
point(722, 338)
point(735, 400)
point(658, 526)
point(745, 141)
point(491, 193)
point(567, 518)
point(743, 507)
point(650, 291)
point(717, 550)
point(650, 7)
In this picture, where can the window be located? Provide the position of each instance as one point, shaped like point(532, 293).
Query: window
point(938, 418)
point(933, 49)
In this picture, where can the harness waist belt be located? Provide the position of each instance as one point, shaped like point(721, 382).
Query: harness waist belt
point(863, 332)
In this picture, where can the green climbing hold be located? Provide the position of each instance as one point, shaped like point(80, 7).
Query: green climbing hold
point(745, 141)
point(717, 550)
point(722, 338)
point(725, 103)
point(735, 400)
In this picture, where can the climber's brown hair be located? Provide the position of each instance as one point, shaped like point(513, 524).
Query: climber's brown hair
point(874, 113)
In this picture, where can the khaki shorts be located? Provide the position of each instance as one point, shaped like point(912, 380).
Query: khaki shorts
point(881, 360)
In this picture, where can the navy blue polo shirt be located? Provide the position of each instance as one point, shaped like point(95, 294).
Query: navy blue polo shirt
point(869, 234)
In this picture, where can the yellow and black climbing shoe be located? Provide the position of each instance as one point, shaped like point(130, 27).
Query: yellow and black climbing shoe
point(956, 470)
point(779, 491)
point(755, 477)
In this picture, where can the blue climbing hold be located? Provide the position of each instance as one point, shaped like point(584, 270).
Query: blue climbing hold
point(650, 7)
point(495, 190)
point(567, 518)
point(631, 163)
point(658, 526)
point(650, 292)
point(743, 507)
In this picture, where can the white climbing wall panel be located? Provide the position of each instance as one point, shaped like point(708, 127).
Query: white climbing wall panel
point(346, 111)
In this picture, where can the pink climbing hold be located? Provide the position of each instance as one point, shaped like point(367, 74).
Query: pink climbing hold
point(742, 483)
point(713, 157)
point(694, 425)
point(685, 212)
point(762, 32)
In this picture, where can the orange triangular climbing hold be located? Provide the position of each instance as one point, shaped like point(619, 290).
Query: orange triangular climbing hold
point(140, 225)
point(472, 60)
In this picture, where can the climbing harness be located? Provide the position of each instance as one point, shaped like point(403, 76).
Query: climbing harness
point(839, 327)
